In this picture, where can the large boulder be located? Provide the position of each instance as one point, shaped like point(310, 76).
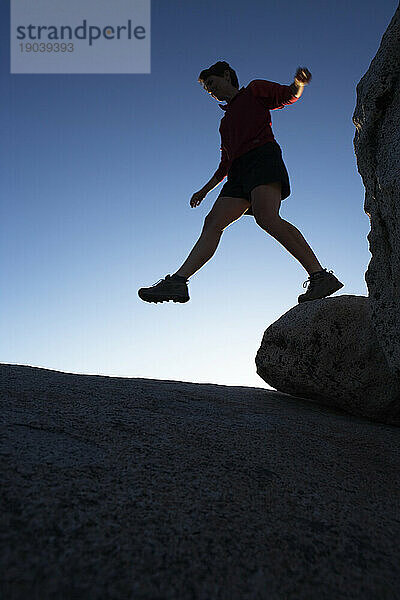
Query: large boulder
point(377, 147)
point(327, 351)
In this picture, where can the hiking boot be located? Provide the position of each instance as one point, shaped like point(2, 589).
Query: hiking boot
point(322, 283)
point(169, 288)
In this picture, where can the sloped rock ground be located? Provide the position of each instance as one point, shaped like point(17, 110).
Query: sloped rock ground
point(116, 488)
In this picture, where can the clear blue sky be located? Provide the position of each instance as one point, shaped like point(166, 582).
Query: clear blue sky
point(97, 172)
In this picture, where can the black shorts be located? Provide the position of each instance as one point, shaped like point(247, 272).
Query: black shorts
point(258, 166)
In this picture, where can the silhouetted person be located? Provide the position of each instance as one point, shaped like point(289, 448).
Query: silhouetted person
point(257, 181)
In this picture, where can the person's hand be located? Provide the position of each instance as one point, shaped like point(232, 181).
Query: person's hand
point(197, 198)
point(302, 77)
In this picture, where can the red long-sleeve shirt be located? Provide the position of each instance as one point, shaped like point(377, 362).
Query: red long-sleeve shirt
point(247, 120)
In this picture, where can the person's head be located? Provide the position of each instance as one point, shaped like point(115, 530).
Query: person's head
point(219, 79)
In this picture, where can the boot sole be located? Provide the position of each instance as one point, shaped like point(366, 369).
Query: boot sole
point(337, 288)
point(156, 299)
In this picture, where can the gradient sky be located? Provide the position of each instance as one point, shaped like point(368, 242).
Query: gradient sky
point(97, 172)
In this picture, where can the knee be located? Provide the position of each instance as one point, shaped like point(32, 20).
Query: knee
point(270, 223)
point(212, 224)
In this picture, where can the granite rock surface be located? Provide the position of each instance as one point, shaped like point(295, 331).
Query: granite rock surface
point(326, 350)
point(115, 488)
point(377, 147)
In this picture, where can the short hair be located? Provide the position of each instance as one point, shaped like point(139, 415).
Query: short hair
point(219, 69)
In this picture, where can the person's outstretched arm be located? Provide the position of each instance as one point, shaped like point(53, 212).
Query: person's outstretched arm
point(275, 95)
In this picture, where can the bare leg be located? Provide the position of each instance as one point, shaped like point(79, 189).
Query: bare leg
point(290, 237)
point(202, 251)
point(225, 211)
point(266, 201)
